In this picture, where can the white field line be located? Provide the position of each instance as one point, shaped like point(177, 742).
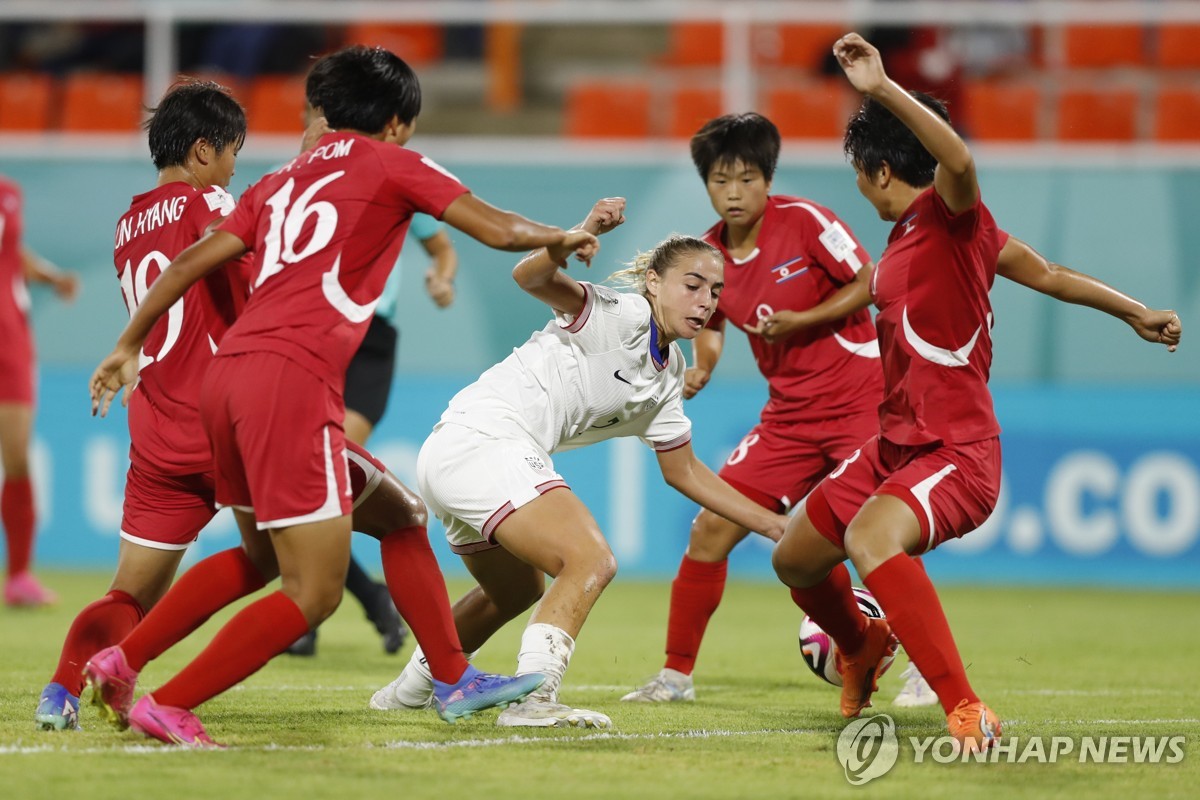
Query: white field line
point(404, 744)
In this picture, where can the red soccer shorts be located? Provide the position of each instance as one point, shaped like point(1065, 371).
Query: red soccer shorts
point(166, 512)
point(951, 488)
point(777, 465)
point(17, 367)
point(277, 440)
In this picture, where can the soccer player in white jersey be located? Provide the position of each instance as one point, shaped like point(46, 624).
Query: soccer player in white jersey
point(608, 365)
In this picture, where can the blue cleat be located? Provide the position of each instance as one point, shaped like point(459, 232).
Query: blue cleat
point(58, 710)
point(477, 690)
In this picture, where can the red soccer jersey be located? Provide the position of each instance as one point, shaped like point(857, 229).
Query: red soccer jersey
point(14, 297)
point(935, 318)
point(164, 416)
point(325, 231)
point(804, 254)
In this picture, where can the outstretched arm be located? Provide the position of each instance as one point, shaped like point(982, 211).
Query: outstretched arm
point(119, 369)
point(706, 352)
point(852, 297)
point(502, 230)
point(541, 272)
point(439, 278)
point(1022, 264)
point(39, 270)
point(692, 478)
point(954, 180)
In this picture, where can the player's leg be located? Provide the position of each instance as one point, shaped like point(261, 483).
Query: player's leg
point(507, 588)
point(937, 495)
point(142, 577)
point(809, 560)
point(557, 535)
point(17, 511)
point(916, 691)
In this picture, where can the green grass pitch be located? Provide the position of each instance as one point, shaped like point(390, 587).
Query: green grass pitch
point(1051, 662)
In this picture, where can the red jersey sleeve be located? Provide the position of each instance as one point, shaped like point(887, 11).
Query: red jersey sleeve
point(426, 185)
point(961, 225)
point(835, 248)
point(242, 223)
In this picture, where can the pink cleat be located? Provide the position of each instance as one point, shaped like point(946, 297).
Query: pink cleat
point(168, 724)
point(112, 681)
point(23, 591)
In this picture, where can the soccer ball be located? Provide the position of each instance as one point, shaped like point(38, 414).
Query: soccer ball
point(817, 647)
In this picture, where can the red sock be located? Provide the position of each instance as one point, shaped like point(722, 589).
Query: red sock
point(201, 592)
point(913, 610)
point(695, 594)
point(255, 635)
point(831, 605)
point(419, 591)
point(18, 517)
point(99, 625)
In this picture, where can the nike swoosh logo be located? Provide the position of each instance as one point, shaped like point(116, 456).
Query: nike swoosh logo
point(610, 423)
point(617, 375)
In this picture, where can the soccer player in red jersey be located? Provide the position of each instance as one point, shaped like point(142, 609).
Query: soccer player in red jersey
point(18, 266)
point(797, 282)
point(932, 472)
point(325, 229)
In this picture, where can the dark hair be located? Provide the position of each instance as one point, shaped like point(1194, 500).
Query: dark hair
point(750, 138)
point(361, 88)
point(876, 137)
point(192, 110)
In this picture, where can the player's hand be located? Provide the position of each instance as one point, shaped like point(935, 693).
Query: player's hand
point(1161, 327)
point(317, 128)
point(778, 326)
point(861, 62)
point(583, 244)
point(440, 290)
point(118, 370)
point(605, 215)
point(66, 286)
point(694, 379)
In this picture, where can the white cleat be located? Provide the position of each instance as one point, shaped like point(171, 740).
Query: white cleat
point(535, 713)
point(412, 691)
point(916, 691)
point(668, 686)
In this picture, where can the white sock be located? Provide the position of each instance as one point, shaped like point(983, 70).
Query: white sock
point(545, 649)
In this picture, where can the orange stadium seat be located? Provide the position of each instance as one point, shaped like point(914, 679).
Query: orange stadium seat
point(694, 44)
point(1177, 46)
point(102, 102)
point(816, 111)
point(416, 43)
point(798, 45)
point(1104, 45)
point(1177, 114)
point(1087, 115)
point(1001, 111)
point(691, 107)
point(602, 109)
point(275, 104)
point(25, 101)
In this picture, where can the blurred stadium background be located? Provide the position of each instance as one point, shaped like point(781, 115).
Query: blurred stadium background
point(1084, 116)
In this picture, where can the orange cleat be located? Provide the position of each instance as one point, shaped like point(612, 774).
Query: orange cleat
point(974, 725)
point(860, 671)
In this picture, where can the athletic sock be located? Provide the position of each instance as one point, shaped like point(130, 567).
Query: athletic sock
point(255, 635)
point(18, 516)
point(695, 594)
point(545, 649)
point(915, 614)
point(199, 593)
point(831, 605)
point(419, 591)
point(100, 624)
point(361, 585)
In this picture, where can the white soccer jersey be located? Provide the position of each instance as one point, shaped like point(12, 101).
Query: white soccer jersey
point(584, 379)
